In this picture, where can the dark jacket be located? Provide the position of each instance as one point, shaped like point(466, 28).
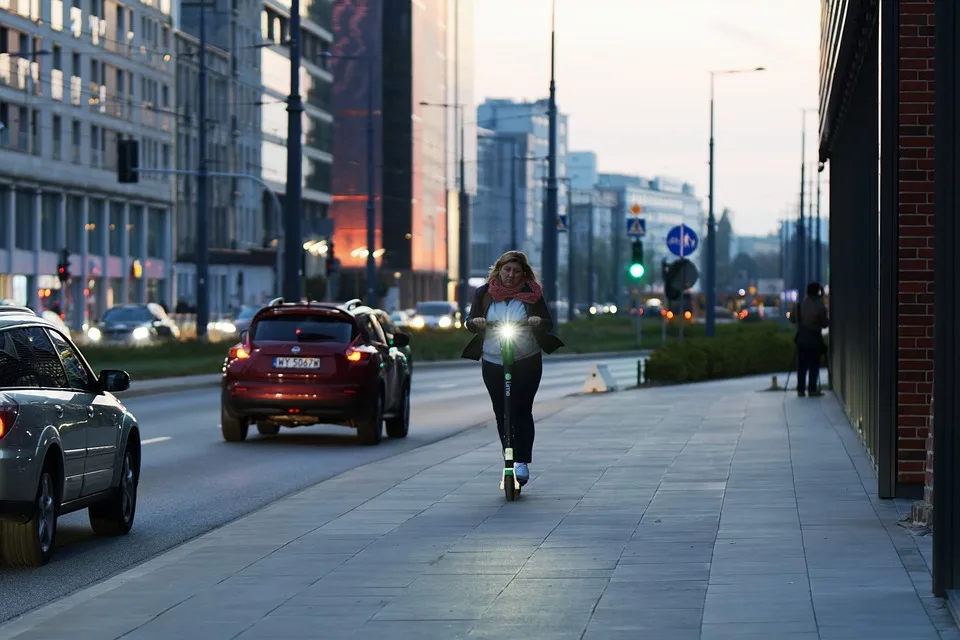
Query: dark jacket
point(481, 302)
point(811, 318)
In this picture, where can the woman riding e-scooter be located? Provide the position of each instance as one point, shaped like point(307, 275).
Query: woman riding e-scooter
point(512, 295)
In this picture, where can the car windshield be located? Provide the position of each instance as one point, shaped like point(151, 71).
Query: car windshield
point(303, 328)
point(128, 314)
point(434, 309)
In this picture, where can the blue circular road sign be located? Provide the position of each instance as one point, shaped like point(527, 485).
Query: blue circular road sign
point(682, 240)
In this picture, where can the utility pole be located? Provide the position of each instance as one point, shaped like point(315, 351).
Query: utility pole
point(591, 293)
point(571, 287)
point(293, 238)
point(513, 194)
point(711, 283)
point(463, 299)
point(371, 190)
point(801, 227)
point(550, 211)
point(203, 267)
point(811, 237)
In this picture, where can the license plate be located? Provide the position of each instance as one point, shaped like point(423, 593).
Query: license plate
point(296, 363)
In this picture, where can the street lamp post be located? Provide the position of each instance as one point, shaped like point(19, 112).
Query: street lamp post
point(463, 276)
point(711, 218)
point(802, 262)
point(371, 173)
point(550, 212)
point(293, 236)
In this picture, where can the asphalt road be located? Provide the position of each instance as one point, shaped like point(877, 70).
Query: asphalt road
point(192, 481)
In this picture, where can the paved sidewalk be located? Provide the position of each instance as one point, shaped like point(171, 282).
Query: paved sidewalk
point(700, 512)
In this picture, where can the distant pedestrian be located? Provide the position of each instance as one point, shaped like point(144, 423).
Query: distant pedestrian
point(810, 316)
point(512, 293)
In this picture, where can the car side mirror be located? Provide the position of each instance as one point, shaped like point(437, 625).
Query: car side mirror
point(401, 340)
point(114, 380)
point(243, 336)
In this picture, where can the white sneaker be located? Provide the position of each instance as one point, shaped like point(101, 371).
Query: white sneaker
point(522, 472)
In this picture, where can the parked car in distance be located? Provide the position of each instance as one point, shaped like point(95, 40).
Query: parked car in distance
point(66, 442)
point(134, 324)
point(308, 363)
point(439, 314)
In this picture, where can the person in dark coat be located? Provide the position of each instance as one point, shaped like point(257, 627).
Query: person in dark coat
point(810, 316)
point(512, 293)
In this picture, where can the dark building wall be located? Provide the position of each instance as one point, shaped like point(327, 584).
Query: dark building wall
point(404, 37)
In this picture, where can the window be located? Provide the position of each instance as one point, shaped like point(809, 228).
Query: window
point(75, 138)
point(25, 360)
point(373, 330)
point(116, 229)
point(77, 376)
point(17, 368)
point(49, 214)
point(45, 358)
point(302, 327)
point(57, 138)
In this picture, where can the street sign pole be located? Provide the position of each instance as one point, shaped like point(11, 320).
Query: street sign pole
point(683, 302)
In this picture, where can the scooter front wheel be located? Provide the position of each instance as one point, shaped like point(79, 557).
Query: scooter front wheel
point(509, 488)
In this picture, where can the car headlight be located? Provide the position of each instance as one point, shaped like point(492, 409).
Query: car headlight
point(445, 322)
point(418, 322)
point(228, 327)
point(141, 333)
point(94, 334)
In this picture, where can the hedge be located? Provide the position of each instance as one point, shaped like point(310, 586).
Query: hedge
point(762, 349)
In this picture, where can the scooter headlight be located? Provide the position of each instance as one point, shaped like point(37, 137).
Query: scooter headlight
point(507, 331)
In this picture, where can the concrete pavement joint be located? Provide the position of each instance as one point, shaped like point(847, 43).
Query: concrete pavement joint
point(796, 502)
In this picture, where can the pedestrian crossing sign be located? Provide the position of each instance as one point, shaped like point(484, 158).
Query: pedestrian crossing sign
point(636, 227)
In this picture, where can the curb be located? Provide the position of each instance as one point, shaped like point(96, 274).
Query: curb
point(213, 380)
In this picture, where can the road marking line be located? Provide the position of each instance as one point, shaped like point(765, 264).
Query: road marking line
point(155, 440)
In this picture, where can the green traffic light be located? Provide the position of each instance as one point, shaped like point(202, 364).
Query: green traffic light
point(637, 270)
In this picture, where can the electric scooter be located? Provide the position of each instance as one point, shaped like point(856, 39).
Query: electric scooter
point(506, 332)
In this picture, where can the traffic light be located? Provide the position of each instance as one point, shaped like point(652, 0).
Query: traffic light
point(128, 161)
point(636, 263)
point(331, 259)
point(63, 266)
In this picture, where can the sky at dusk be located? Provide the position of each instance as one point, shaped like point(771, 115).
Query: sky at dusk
point(633, 76)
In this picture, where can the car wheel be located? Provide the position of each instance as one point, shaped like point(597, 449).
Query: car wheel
point(268, 428)
point(30, 544)
point(233, 429)
point(398, 426)
point(114, 516)
point(370, 429)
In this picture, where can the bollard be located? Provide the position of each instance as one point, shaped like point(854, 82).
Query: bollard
point(639, 373)
point(773, 384)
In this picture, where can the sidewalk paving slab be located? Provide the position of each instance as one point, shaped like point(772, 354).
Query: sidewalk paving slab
point(708, 512)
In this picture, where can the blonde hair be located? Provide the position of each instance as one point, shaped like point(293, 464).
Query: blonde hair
point(513, 256)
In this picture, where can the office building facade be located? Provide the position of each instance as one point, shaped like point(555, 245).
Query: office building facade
point(665, 203)
point(73, 81)
point(241, 247)
point(504, 207)
point(408, 43)
point(509, 117)
point(316, 83)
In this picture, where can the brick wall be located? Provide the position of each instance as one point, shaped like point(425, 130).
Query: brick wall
point(915, 321)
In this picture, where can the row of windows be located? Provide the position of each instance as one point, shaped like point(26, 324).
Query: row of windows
point(104, 228)
point(108, 89)
point(71, 140)
point(108, 24)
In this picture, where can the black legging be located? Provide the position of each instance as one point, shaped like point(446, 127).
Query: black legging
point(526, 381)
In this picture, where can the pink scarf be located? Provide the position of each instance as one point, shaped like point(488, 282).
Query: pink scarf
point(499, 293)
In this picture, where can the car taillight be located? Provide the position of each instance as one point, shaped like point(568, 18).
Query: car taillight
point(355, 355)
point(239, 352)
point(8, 415)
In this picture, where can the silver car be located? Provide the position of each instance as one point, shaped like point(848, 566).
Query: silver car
point(66, 442)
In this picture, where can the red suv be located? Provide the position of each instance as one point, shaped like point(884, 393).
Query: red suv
point(306, 363)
